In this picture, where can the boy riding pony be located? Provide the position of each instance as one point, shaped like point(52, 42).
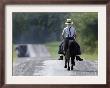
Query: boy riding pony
point(68, 33)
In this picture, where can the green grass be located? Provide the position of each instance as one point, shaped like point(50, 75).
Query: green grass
point(90, 56)
point(14, 53)
point(53, 49)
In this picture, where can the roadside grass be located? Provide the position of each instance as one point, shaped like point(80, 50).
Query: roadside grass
point(14, 53)
point(54, 46)
point(89, 56)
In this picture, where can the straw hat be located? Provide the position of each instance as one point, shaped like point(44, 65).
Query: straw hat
point(68, 21)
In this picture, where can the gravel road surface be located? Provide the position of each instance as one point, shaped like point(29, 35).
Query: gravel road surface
point(40, 63)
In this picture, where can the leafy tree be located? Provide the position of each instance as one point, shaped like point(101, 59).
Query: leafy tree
point(87, 29)
point(37, 27)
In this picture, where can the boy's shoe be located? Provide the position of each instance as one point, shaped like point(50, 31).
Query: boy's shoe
point(78, 58)
point(61, 58)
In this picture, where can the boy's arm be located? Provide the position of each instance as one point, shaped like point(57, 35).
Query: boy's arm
point(63, 32)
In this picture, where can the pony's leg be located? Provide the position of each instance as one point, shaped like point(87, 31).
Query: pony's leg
point(65, 63)
point(68, 59)
point(68, 64)
point(72, 62)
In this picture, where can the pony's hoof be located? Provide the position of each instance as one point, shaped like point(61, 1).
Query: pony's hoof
point(68, 68)
point(65, 66)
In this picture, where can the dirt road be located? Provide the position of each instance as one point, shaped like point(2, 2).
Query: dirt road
point(40, 63)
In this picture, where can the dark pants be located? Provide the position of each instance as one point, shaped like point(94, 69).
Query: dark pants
point(66, 42)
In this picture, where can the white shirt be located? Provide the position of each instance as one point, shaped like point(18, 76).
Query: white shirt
point(67, 33)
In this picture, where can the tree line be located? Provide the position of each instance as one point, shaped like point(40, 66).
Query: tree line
point(46, 27)
point(37, 27)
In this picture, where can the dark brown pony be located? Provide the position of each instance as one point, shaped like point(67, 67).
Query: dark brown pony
point(72, 51)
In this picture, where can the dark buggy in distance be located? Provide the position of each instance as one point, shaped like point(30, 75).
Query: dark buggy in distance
point(22, 50)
